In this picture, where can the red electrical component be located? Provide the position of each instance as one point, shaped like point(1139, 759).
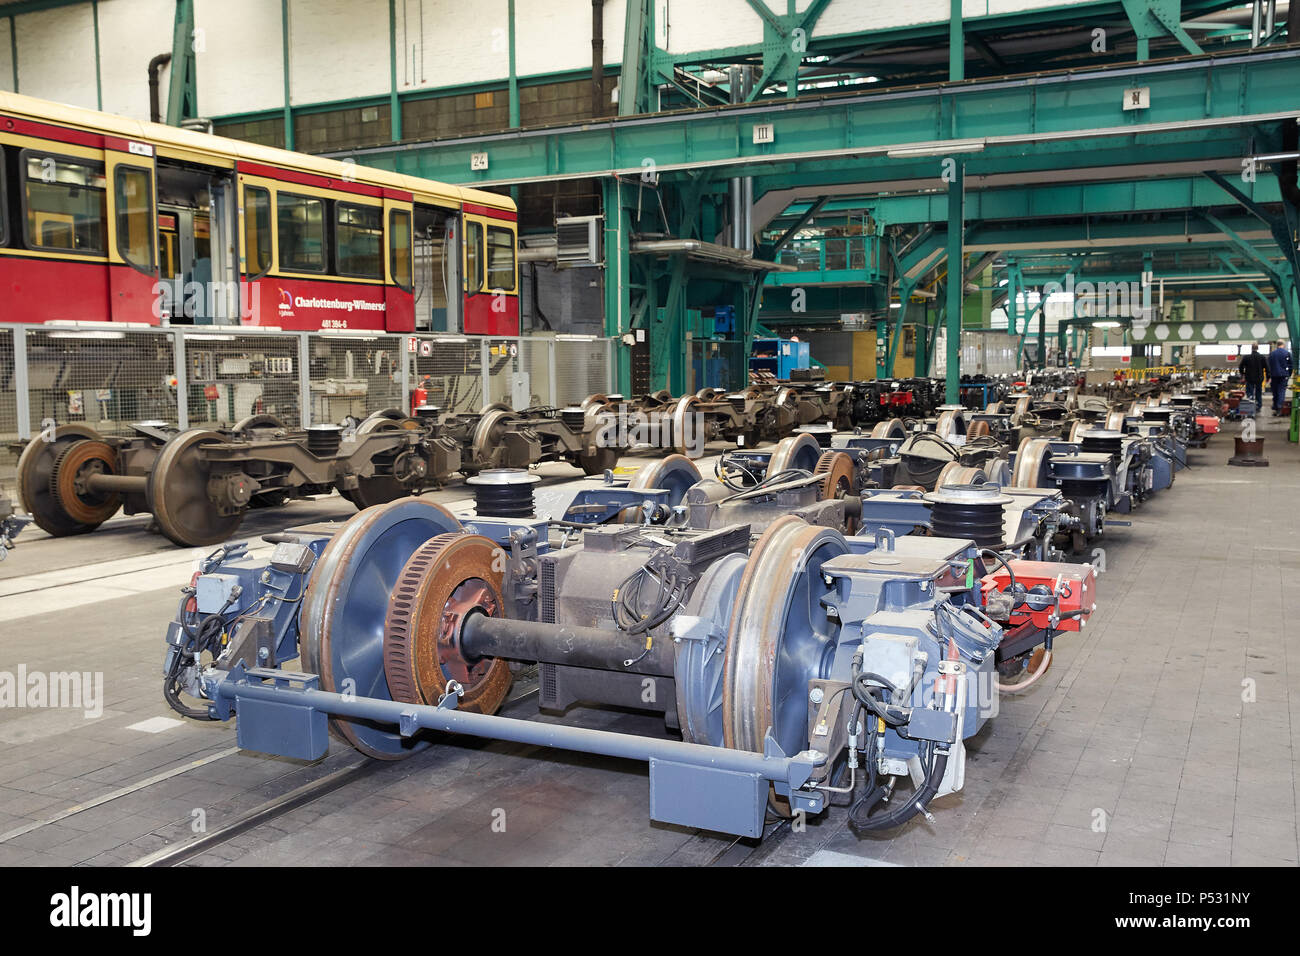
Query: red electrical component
point(898, 398)
point(1069, 590)
point(1208, 424)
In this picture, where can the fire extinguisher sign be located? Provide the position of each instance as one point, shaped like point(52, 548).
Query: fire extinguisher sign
point(410, 344)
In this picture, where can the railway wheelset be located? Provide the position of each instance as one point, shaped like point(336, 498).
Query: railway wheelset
point(198, 484)
point(793, 668)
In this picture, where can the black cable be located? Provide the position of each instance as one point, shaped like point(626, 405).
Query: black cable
point(1011, 585)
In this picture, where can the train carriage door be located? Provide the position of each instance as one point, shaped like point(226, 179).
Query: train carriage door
point(491, 273)
point(259, 300)
point(476, 307)
point(132, 235)
point(399, 264)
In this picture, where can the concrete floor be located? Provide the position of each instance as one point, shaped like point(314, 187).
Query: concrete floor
point(1136, 748)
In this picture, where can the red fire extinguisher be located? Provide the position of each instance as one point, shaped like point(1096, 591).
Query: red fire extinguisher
point(420, 394)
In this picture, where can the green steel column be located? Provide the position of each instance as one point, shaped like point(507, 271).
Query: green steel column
point(394, 104)
point(99, 78)
point(182, 95)
point(617, 266)
point(514, 77)
point(284, 41)
point(956, 265)
point(956, 49)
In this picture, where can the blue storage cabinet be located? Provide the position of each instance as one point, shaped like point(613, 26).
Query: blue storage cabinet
point(778, 356)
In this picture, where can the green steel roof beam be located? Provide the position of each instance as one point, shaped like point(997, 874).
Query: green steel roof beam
point(1080, 112)
point(1154, 18)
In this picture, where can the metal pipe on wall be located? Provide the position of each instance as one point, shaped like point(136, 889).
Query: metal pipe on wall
point(597, 58)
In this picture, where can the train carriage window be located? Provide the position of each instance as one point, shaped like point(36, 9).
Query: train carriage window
point(66, 203)
point(133, 200)
point(473, 257)
point(257, 230)
point(501, 259)
point(4, 201)
point(358, 241)
point(300, 222)
point(399, 248)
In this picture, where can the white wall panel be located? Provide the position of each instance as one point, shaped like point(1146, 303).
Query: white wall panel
point(339, 49)
point(6, 57)
point(241, 63)
point(450, 43)
point(56, 55)
point(131, 33)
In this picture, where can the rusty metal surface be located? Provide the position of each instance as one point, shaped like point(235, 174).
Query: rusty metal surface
point(448, 578)
point(76, 463)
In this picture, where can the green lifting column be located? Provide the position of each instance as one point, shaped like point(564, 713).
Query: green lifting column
point(182, 95)
point(955, 283)
point(618, 265)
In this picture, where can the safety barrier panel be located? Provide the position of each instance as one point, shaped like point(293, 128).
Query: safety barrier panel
point(110, 376)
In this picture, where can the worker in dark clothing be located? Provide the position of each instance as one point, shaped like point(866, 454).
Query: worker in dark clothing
point(1279, 372)
point(1253, 367)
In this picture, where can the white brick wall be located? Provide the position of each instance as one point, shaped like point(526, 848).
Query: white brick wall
point(339, 50)
point(56, 55)
point(241, 68)
point(131, 33)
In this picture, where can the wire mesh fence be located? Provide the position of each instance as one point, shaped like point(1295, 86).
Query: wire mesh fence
point(447, 371)
point(106, 378)
point(109, 378)
point(582, 368)
point(354, 375)
point(8, 416)
point(232, 376)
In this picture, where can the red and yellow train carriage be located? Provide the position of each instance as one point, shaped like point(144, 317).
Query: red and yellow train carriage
point(109, 219)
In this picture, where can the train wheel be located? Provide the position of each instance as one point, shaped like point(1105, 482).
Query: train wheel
point(979, 429)
point(1033, 464)
point(948, 425)
point(1076, 428)
point(698, 668)
point(36, 467)
point(893, 428)
point(487, 434)
point(1115, 421)
point(342, 639)
point(599, 461)
point(377, 489)
point(674, 473)
point(679, 438)
point(177, 492)
point(778, 635)
point(76, 463)
point(798, 451)
point(955, 473)
point(447, 579)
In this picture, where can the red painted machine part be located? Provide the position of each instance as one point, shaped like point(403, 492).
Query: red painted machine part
point(1080, 580)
